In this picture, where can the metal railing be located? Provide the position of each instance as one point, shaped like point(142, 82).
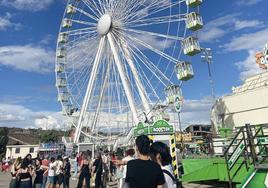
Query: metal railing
point(247, 144)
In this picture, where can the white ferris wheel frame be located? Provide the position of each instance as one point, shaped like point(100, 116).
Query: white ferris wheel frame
point(128, 54)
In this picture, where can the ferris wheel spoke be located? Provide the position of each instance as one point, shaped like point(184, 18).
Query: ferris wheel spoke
point(146, 45)
point(150, 65)
point(78, 31)
point(78, 41)
point(104, 85)
point(92, 6)
point(124, 47)
point(85, 23)
point(147, 81)
point(154, 34)
point(157, 20)
point(142, 9)
point(93, 17)
point(155, 10)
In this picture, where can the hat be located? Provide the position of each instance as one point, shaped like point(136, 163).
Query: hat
point(65, 157)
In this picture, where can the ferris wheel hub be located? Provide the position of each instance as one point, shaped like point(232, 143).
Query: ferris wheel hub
point(104, 24)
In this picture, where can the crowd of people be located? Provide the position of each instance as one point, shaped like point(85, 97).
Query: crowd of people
point(146, 166)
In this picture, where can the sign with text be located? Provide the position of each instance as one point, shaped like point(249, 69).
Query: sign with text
point(159, 127)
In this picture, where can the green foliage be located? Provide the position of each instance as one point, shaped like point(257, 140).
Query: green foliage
point(49, 136)
point(3, 141)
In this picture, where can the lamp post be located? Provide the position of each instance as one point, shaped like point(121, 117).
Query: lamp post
point(207, 58)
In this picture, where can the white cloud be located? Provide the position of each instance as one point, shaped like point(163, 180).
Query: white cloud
point(247, 24)
point(30, 5)
point(248, 2)
point(252, 43)
point(27, 58)
point(12, 115)
point(6, 23)
point(248, 41)
point(195, 111)
point(219, 27)
point(248, 67)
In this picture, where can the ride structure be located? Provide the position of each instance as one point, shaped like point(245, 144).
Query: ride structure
point(113, 61)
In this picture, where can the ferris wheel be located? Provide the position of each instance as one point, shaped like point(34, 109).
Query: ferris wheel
point(115, 58)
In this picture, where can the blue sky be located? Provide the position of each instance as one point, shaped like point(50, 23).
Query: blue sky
point(235, 30)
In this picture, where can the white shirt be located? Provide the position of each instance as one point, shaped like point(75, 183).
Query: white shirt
point(169, 181)
point(122, 183)
point(51, 171)
point(59, 165)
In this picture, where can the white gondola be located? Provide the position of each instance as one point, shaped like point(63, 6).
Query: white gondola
point(184, 71)
point(71, 9)
point(172, 93)
point(193, 3)
point(63, 97)
point(191, 46)
point(68, 109)
point(194, 21)
point(67, 23)
point(60, 67)
point(61, 53)
point(61, 82)
point(63, 38)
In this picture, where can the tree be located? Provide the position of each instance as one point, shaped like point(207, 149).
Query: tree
point(3, 141)
point(49, 136)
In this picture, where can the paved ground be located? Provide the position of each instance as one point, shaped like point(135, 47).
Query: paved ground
point(5, 178)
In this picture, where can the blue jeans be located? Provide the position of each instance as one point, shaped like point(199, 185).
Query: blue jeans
point(44, 182)
point(75, 169)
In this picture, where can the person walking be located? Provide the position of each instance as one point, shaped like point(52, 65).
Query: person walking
point(66, 172)
point(45, 167)
point(59, 171)
point(75, 166)
point(160, 153)
point(38, 174)
point(129, 155)
point(84, 177)
point(98, 169)
point(142, 172)
point(24, 175)
point(14, 169)
point(51, 173)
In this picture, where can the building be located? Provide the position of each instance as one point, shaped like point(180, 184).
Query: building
point(247, 104)
point(15, 151)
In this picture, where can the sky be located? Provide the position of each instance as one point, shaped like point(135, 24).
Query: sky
point(234, 29)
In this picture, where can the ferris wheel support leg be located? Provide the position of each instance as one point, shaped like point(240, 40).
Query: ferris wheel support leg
point(124, 78)
point(140, 87)
point(89, 90)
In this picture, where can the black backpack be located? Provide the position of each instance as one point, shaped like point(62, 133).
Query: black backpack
point(176, 181)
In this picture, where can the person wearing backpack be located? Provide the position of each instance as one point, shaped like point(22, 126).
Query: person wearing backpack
point(159, 152)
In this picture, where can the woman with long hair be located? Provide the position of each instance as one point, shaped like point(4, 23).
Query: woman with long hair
point(38, 174)
point(84, 175)
point(160, 153)
point(14, 169)
point(25, 175)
